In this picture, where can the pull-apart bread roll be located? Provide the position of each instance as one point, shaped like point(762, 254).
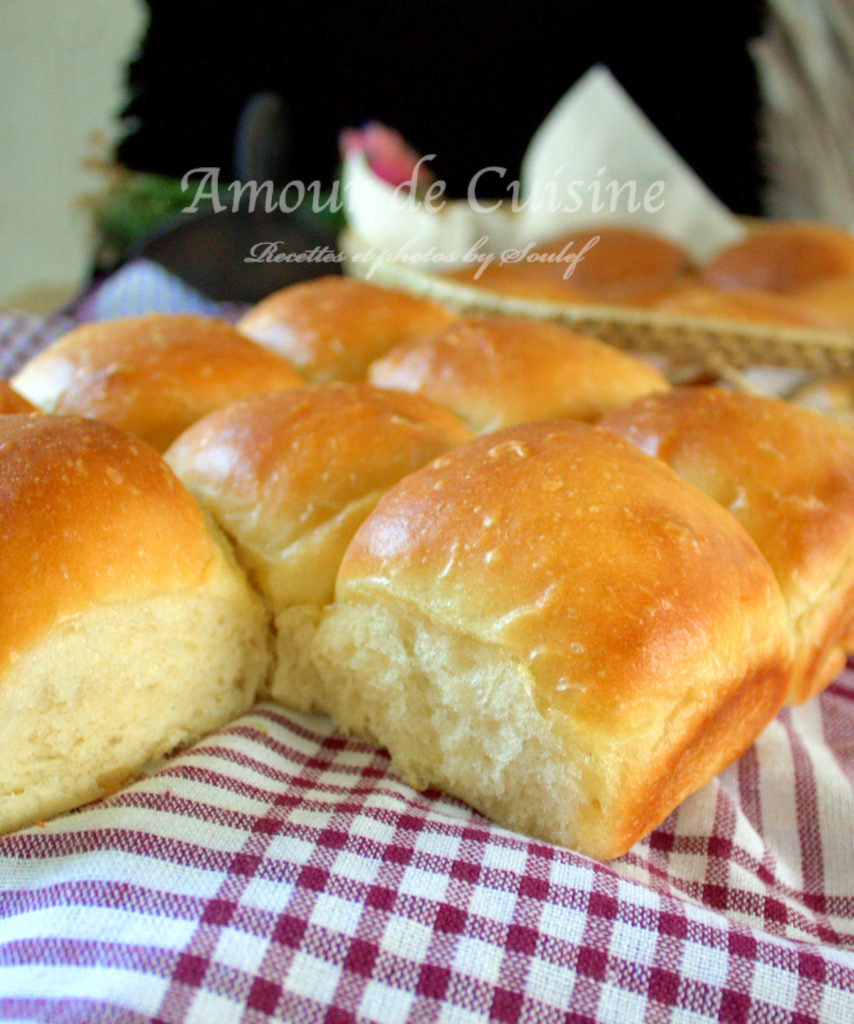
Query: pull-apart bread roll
point(290, 477)
point(333, 328)
point(555, 628)
point(126, 628)
point(787, 474)
point(12, 402)
point(495, 372)
point(151, 375)
point(612, 255)
point(783, 257)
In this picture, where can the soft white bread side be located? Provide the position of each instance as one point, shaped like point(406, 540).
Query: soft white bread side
point(333, 328)
point(555, 628)
point(290, 477)
point(126, 629)
point(787, 475)
point(151, 375)
point(495, 372)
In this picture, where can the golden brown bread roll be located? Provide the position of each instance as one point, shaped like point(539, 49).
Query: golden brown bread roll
point(151, 375)
point(333, 328)
point(126, 628)
point(11, 401)
point(787, 474)
point(555, 628)
point(493, 372)
point(749, 305)
point(620, 254)
point(782, 257)
point(290, 477)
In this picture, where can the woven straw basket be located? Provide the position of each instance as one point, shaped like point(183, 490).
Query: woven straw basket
point(721, 346)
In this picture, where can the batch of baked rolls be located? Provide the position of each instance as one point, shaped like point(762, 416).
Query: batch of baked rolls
point(544, 580)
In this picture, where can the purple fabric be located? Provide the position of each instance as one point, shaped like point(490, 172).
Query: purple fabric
point(279, 872)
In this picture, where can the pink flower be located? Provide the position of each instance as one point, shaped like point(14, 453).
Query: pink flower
point(389, 155)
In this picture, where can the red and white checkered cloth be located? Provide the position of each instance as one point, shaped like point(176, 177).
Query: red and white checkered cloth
point(277, 872)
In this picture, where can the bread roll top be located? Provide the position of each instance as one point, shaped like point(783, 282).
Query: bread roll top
point(785, 472)
point(151, 375)
point(88, 515)
point(278, 470)
point(493, 372)
point(333, 328)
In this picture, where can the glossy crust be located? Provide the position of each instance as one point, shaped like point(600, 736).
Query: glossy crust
point(276, 469)
point(87, 515)
point(12, 402)
point(151, 375)
point(494, 372)
point(782, 257)
point(787, 474)
point(645, 625)
point(333, 328)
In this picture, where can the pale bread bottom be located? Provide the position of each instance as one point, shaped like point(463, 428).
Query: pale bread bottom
point(295, 681)
point(107, 692)
point(453, 712)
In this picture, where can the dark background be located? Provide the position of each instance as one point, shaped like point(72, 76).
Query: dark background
point(469, 82)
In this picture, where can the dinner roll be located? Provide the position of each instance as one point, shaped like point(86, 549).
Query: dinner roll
point(784, 256)
point(787, 475)
point(11, 401)
point(555, 628)
point(290, 477)
point(493, 372)
point(333, 328)
point(151, 375)
point(127, 629)
point(614, 255)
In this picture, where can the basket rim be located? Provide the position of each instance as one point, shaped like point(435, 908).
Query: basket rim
point(696, 339)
